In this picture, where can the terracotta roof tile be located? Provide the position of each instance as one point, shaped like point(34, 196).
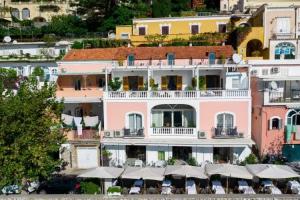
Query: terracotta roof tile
point(145, 53)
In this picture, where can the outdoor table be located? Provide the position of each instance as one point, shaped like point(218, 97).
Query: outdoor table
point(135, 190)
point(249, 190)
point(243, 185)
point(138, 183)
point(191, 187)
point(166, 183)
point(166, 190)
point(275, 190)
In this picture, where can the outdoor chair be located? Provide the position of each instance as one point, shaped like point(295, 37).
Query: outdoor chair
point(138, 163)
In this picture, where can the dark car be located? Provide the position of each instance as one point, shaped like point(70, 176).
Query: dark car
point(59, 185)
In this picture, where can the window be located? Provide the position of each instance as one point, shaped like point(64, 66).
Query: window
point(283, 25)
point(16, 13)
point(135, 122)
point(293, 117)
point(130, 60)
point(212, 58)
point(171, 59)
point(124, 36)
point(222, 28)
point(54, 71)
point(285, 50)
point(195, 29)
point(142, 30)
point(161, 155)
point(235, 83)
point(77, 84)
point(225, 121)
point(25, 13)
point(275, 123)
point(165, 30)
point(191, 61)
point(225, 6)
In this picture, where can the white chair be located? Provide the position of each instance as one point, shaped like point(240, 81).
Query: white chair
point(138, 163)
point(160, 163)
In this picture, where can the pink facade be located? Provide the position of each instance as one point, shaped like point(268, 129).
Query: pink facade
point(239, 109)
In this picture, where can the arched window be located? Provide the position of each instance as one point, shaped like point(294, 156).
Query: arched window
point(25, 13)
point(134, 122)
point(293, 117)
point(275, 123)
point(16, 13)
point(285, 50)
point(225, 121)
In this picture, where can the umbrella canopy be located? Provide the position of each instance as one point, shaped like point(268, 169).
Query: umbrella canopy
point(102, 172)
point(186, 171)
point(272, 171)
point(146, 173)
point(228, 170)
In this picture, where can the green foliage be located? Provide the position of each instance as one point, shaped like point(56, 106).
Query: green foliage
point(171, 161)
point(212, 5)
point(49, 39)
point(115, 84)
point(99, 43)
point(8, 78)
point(251, 159)
point(179, 5)
point(178, 42)
point(155, 39)
point(30, 135)
point(202, 83)
point(153, 85)
point(38, 71)
point(106, 154)
point(114, 189)
point(208, 39)
point(89, 188)
point(161, 8)
point(192, 161)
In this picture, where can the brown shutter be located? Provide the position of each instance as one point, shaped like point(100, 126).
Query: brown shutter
point(125, 83)
point(164, 83)
point(140, 83)
point(179, 83)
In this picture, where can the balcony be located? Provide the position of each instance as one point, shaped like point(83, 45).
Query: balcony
point(174, 131)
point(227, 133)
point(87, 134)
point(282, 97)
point(177, 94)
point(124, 133)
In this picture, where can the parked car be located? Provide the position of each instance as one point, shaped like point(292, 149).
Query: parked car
point(59, 185)
point(11, 189)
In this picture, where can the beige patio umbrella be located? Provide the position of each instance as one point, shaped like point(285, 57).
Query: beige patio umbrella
point(186, 171)
point(146, 173)
point(228, 170)
point(271, 171)
point(102, 172)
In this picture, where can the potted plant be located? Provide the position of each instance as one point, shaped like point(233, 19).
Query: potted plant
point(114, 191)
point(115, 84)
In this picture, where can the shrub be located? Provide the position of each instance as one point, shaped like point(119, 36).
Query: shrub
point(114, 189)
point(115, 84)
point(38, 71)
point(251, 159)
point(89, 188)
point(192, 161)
point(171, 161)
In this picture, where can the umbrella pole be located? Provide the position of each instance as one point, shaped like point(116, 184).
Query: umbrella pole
point(227, 185)
point(145, 187)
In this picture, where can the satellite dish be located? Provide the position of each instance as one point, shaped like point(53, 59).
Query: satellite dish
point(273, 85)
point(236, 58)
point(7, 39)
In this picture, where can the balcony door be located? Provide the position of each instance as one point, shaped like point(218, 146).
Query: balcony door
point(212, 82)
point(225, 121)
point(133, 83)
point(135, 122)
point(171, 82)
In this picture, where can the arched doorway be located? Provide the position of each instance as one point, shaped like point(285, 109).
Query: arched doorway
point(25, 13)
point(254, 48)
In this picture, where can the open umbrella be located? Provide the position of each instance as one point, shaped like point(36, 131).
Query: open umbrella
point(146, 173)
point(102, 172)
point(228, 170)
point(186, 171)
point(271, 171)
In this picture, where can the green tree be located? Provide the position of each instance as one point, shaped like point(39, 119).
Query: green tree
point(8, 79)
point(161, 8)
point(30, 136)
point(177, 6)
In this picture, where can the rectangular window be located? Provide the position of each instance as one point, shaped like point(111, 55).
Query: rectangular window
point(235, 83)
point(77, 85)
point(161, 155)
point(124, 36)
point(283, 25)
point(142, 30)
point(171, 59)
point(131, 60)
point(165, 30)
point(212, 58)
point(195, 29)
point(222, 28)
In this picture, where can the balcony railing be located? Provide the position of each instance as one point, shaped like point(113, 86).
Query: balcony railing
point(88, 134)
point(227, 133)
point(173, 131)
point(282, 97)
point(283, 35)
point(125, 133)
point(176, 94)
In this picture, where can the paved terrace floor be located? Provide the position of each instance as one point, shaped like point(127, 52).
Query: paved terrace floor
point(154, 197)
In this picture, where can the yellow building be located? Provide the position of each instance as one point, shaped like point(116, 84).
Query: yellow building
point(173, 27)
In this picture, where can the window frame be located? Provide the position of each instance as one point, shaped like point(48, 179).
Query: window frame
point(127, 123)
point(142, 27)
point(130, 62)
point(162, 28)
point(198, 29)
point(271, 123)
point(171, 61)
point(224, 119)
point(161, 155)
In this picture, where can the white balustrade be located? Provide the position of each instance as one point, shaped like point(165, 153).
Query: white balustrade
point(177, 94)
point(173, 131)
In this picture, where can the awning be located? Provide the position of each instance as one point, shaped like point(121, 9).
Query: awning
point(270, 171)
point(235, 142)
point(186, 171)
point(228, 170)
point(102, 172)
point(80, 99)
point(147, 173)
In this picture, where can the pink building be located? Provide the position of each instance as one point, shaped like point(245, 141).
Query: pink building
point(161, 103)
